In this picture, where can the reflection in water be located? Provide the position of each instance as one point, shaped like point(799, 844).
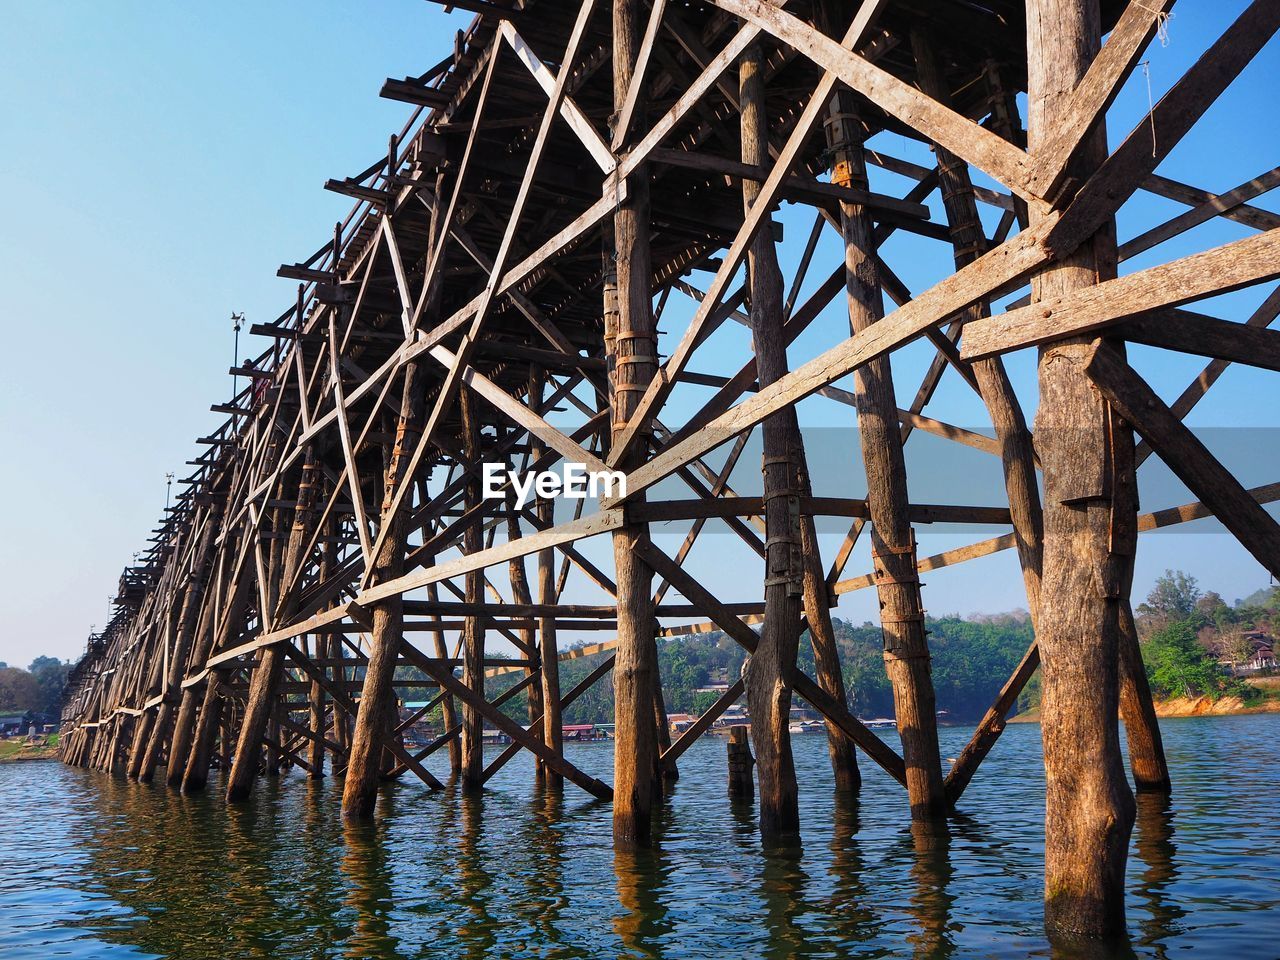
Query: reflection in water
point(544, 899)
point(931, 870)
point(851, 904)
point(368, 874)
point(782, 888)
point(640, 919)
point(1154, 848)
point(474, 881)
point(106, 869)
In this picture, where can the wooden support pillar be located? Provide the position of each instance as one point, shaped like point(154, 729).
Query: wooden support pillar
point(315, 720)
point(1089, 808)
point(448, 705)
point(906, 651)
point(261, 705)
point(141, 737)
point(520, 593)
point(196, 775)
point(769, 674)
point(377, 696)
point(552, 724)
point(274, 757)
point(1142, 730)
point(188, 763)
point(741, 782)
point(473, 627)
point(341, 719)
point(631, 346)
point(188, 622)
point(1017, 453)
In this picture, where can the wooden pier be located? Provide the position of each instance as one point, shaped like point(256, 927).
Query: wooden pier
point(535, 272)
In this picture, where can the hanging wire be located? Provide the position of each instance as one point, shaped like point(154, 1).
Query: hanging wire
point(1151, 107)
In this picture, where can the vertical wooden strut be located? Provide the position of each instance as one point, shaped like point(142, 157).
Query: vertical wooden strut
point(1142, 730)
point(323, 648)
point(195, 775)
point(520, 593)
point(1089, 808)
point(185, 721)
point(1017, 454)
point(377, 696)
point(188, 620)
point(552, 728)
point(143, 725)
point(769, 674)
point(631, 345)
point(448, 706)
point(261, 702)
point(472, 626)
point(906, 651)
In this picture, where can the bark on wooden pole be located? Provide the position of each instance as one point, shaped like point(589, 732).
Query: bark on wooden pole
point(261, 704)
point(552, 725)
point(1089, 808)
point(377, 697)
point(906, 651)
point(473, 628)
point(631, 347)
point(769, 673)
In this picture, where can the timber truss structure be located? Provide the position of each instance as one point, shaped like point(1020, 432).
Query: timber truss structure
point(574, 173)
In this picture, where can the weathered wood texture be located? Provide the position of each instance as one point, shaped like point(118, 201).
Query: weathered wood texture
point(495, 296)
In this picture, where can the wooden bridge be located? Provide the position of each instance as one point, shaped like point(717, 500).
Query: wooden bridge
point(575, 174)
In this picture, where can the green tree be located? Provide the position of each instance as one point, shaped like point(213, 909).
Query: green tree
point(1178, 666)
point(19, 691)
point(51, 678)
point(1174, 595)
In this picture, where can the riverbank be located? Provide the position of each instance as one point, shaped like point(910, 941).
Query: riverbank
point(1268, 701)
point(20, 749)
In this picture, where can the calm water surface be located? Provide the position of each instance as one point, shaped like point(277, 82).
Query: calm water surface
point(96, 867)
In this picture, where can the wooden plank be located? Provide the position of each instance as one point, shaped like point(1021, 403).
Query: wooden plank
point(495, 716)
point(1214, 206)
point(1208, 336)
point(1091, 308)
point(564, 533)
point(960, 135)
point(1095, 92)
point(877, 749)
point(553, 85)
point(1195, 197)
point(1185, 455)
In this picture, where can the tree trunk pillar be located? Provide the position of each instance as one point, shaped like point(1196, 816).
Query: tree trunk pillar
point(631, 346)
point(906, 651)
point(1089, 808)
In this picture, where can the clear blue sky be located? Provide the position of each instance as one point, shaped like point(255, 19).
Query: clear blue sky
point(159, 161)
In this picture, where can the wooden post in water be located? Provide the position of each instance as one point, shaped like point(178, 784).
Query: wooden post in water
point(261, 706)
point(631, 345)
point(196, 775)
point(906, 651)
point(472, 627)
point(552, 724)
point(741, 782)
point(769, 676)
point(377, 697)
point(1089, 808)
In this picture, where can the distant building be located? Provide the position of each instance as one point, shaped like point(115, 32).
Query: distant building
point(18, 724)
point(581, 731)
